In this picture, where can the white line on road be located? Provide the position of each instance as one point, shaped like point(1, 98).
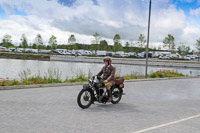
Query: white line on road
point(167, 124)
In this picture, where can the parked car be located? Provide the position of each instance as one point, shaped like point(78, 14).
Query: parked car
point(101, 53)
point(4, 49)
point(125, 55)
point(131, 54)
point(149, 55)
point(109, 54)
point(44, 51)
point(175, 56)
point(119, 53)
point(186, 58)
point(27, 50)
point(140, 55)
point(19, 50)
point(155, 55)
point(66, 53)
point(12, 49)
point(192, 57)
point(164, 57)
point(55, 52)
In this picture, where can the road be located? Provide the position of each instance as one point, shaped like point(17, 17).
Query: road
point(161, 106)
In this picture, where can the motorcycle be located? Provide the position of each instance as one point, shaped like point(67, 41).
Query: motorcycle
point(95, 91)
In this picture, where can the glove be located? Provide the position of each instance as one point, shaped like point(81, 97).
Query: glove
point(105, 81)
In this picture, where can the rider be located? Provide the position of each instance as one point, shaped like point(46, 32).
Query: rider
point(108, 72)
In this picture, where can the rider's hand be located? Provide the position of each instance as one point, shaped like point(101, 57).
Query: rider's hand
point(105, 81)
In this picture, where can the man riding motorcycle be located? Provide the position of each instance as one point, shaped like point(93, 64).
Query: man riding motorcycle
point(108, 72)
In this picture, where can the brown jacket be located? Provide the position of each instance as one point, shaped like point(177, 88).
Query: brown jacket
point(108, 74)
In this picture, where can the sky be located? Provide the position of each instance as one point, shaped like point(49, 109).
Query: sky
point(128, 18)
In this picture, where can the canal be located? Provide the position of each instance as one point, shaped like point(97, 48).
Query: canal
point(11, 68)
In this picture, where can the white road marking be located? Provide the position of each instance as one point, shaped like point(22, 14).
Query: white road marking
point(167, 124)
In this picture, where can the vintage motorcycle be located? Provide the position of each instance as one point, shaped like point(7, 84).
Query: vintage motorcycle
point(95, 91)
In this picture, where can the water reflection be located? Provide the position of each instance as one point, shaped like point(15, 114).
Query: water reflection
point(11, 68)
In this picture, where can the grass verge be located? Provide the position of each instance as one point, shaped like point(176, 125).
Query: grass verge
point(25, 56)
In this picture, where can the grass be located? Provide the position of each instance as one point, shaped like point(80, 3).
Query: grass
point(27, 78)
point(133, 75)
point(80, 77)
point(54, 76)
point(157, 74)
point(24, 56)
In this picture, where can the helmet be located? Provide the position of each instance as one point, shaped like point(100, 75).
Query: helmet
point(107, 58)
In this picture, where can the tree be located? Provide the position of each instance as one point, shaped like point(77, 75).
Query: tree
point(127, 47)
point(173, 48)
point(116, 38)
point(141, 40)
point(117, 45)
point(132, 43)
point(72, 39)
point(52, 42)
point(169, 42)
point(97, 38)
point(38, 41)
point(159, 47)
point(103, 45)
point(198, 47)
point(7, 41)
point(183, 50)
point(24, 42)
point(34, 46)
point(75, 46)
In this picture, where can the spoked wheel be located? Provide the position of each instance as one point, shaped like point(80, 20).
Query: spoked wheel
point(116, 95)
point(85, 98)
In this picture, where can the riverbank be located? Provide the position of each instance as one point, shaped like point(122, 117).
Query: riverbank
point(129, 61)
point(53, 77)
point(25, 56)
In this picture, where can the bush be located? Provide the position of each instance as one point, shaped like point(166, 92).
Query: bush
point(4, 83)
point(165, 73)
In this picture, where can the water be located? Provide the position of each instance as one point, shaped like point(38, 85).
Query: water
point(11, 68)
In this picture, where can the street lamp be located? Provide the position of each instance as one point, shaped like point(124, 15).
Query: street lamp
point(147, 48)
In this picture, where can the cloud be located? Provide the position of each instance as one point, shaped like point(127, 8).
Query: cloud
point(195, 12)
point(83, 18)
point(192, 34)
point(188, 1)
point(167, 21)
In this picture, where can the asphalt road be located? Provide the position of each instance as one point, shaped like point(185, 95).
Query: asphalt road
point(162, 106)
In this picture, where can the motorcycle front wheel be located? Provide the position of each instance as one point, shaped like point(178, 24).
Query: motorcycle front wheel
point(85, 98)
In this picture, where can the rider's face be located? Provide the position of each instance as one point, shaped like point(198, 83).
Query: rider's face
point(106, 63)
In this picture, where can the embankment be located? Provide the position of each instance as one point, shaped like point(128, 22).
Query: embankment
point(128, 61)
point(25, 56)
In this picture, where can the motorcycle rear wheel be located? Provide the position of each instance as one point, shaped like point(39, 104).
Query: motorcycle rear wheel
point(85, 98)
point(116, 95)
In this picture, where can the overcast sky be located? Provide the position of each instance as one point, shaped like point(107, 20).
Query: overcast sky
point(129, 18)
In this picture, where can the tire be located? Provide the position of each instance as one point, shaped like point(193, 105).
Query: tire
point(85, 95)
point(116, 95)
